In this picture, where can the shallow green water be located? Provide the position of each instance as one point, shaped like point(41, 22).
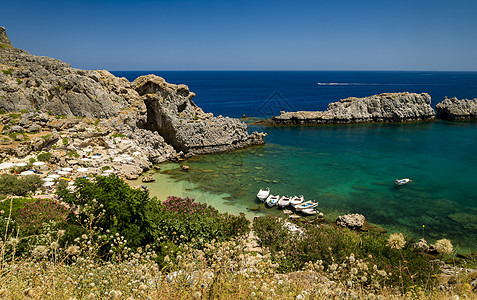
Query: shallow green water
point(352, 169)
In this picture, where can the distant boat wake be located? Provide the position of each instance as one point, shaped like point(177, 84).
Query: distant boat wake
point(358, 83)
point(346, 83)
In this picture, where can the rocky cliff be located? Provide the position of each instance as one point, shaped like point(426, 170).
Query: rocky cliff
point(149, 109)
point(389, 107)
point(454, 109)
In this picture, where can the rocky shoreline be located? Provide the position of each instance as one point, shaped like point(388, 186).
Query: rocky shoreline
point(45, 105)
point(382, 108)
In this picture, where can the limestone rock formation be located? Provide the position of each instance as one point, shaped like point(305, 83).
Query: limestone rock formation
point(172, 113)
point(4, 38)
point(388, 107)
point(158, 118)
point(352, 221)
point(455, 109)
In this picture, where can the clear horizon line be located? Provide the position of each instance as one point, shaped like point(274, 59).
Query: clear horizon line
point(284, 70)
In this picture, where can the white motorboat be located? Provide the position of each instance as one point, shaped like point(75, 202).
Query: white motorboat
point(297, 200)
point(309, 211)
point(284, 201)
point(272, 200)
point(263, 194)
point(305, 205)
point(402, 181)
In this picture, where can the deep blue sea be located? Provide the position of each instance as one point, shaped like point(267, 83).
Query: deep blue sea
point(348, 168)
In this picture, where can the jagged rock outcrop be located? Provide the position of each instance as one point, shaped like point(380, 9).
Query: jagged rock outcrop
point(454, 109)
point(352, 221)
point(388, 107)
point(160, 117)
point(4, 38)
point(183, 124)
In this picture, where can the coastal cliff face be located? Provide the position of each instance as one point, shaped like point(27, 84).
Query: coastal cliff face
point(160, 118)
point(455, 109)
point(388, 107)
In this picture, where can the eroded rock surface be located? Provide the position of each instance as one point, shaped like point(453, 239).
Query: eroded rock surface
point(454, 109)
point(158, 117)
point(388, 107)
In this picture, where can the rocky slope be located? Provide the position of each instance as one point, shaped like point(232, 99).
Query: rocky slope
point(389, 107)
point(149, 111)
point(454, 109)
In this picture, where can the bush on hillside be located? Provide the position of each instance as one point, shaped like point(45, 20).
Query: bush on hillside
point(18, 186)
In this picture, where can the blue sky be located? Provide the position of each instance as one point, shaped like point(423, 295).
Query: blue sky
point(248, 35)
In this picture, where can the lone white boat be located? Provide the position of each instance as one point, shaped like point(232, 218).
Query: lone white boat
point(297, 200)
point(272, 200)
point(284, 201)
point(263, 194)
point(305, 205)
point(309, 211)
point(402, 181)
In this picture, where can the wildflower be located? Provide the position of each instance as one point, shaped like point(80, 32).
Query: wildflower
point(142, 287)
point(364, 278)
point(299, 296)
point(84, 236)
point(333, 267)
point(54, 245)
point(61, 233)
point(92, 284)
point(167, 259)
point(444, 246)
point(2, 211)
point(197, 295)
point(14, 241)
point(382, 273)
point(40, 251)
point(72, 250)
point(354, 271)
point(91, 296)
point(253, 294)
point(351, 258)
point(396, 241)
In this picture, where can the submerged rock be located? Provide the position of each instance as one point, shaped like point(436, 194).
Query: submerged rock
point(388, 107)
point(454, 109)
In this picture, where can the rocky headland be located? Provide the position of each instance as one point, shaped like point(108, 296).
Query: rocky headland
point(454, 109)
point(388, 107)
point(46, 103)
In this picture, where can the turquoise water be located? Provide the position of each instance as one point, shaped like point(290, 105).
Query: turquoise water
point(348, 168)
point(352, 168)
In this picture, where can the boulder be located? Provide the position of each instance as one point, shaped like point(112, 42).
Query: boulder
point(148, 178)
point(388, 107)
point(352, 221)
point(454, 109)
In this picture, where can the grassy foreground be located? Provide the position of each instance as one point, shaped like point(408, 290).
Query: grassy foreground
point(109, 241)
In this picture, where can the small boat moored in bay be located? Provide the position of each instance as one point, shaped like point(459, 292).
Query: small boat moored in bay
point(272, 200)
point(309, 211)
point(305, 205)
point(402, 181)
point(284, 201)
point(297, 200)
point(263, 194)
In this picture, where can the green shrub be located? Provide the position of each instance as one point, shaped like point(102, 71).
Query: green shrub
point(126, 210)
point(14, 116)
point(182, 219)
point(44, 156)
point(8, 71)
point(18, 186)
point(65, 141)
point(24, 111)
point(19, 81)
point(72, 153)
point(2, 112)
point(96, 122)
